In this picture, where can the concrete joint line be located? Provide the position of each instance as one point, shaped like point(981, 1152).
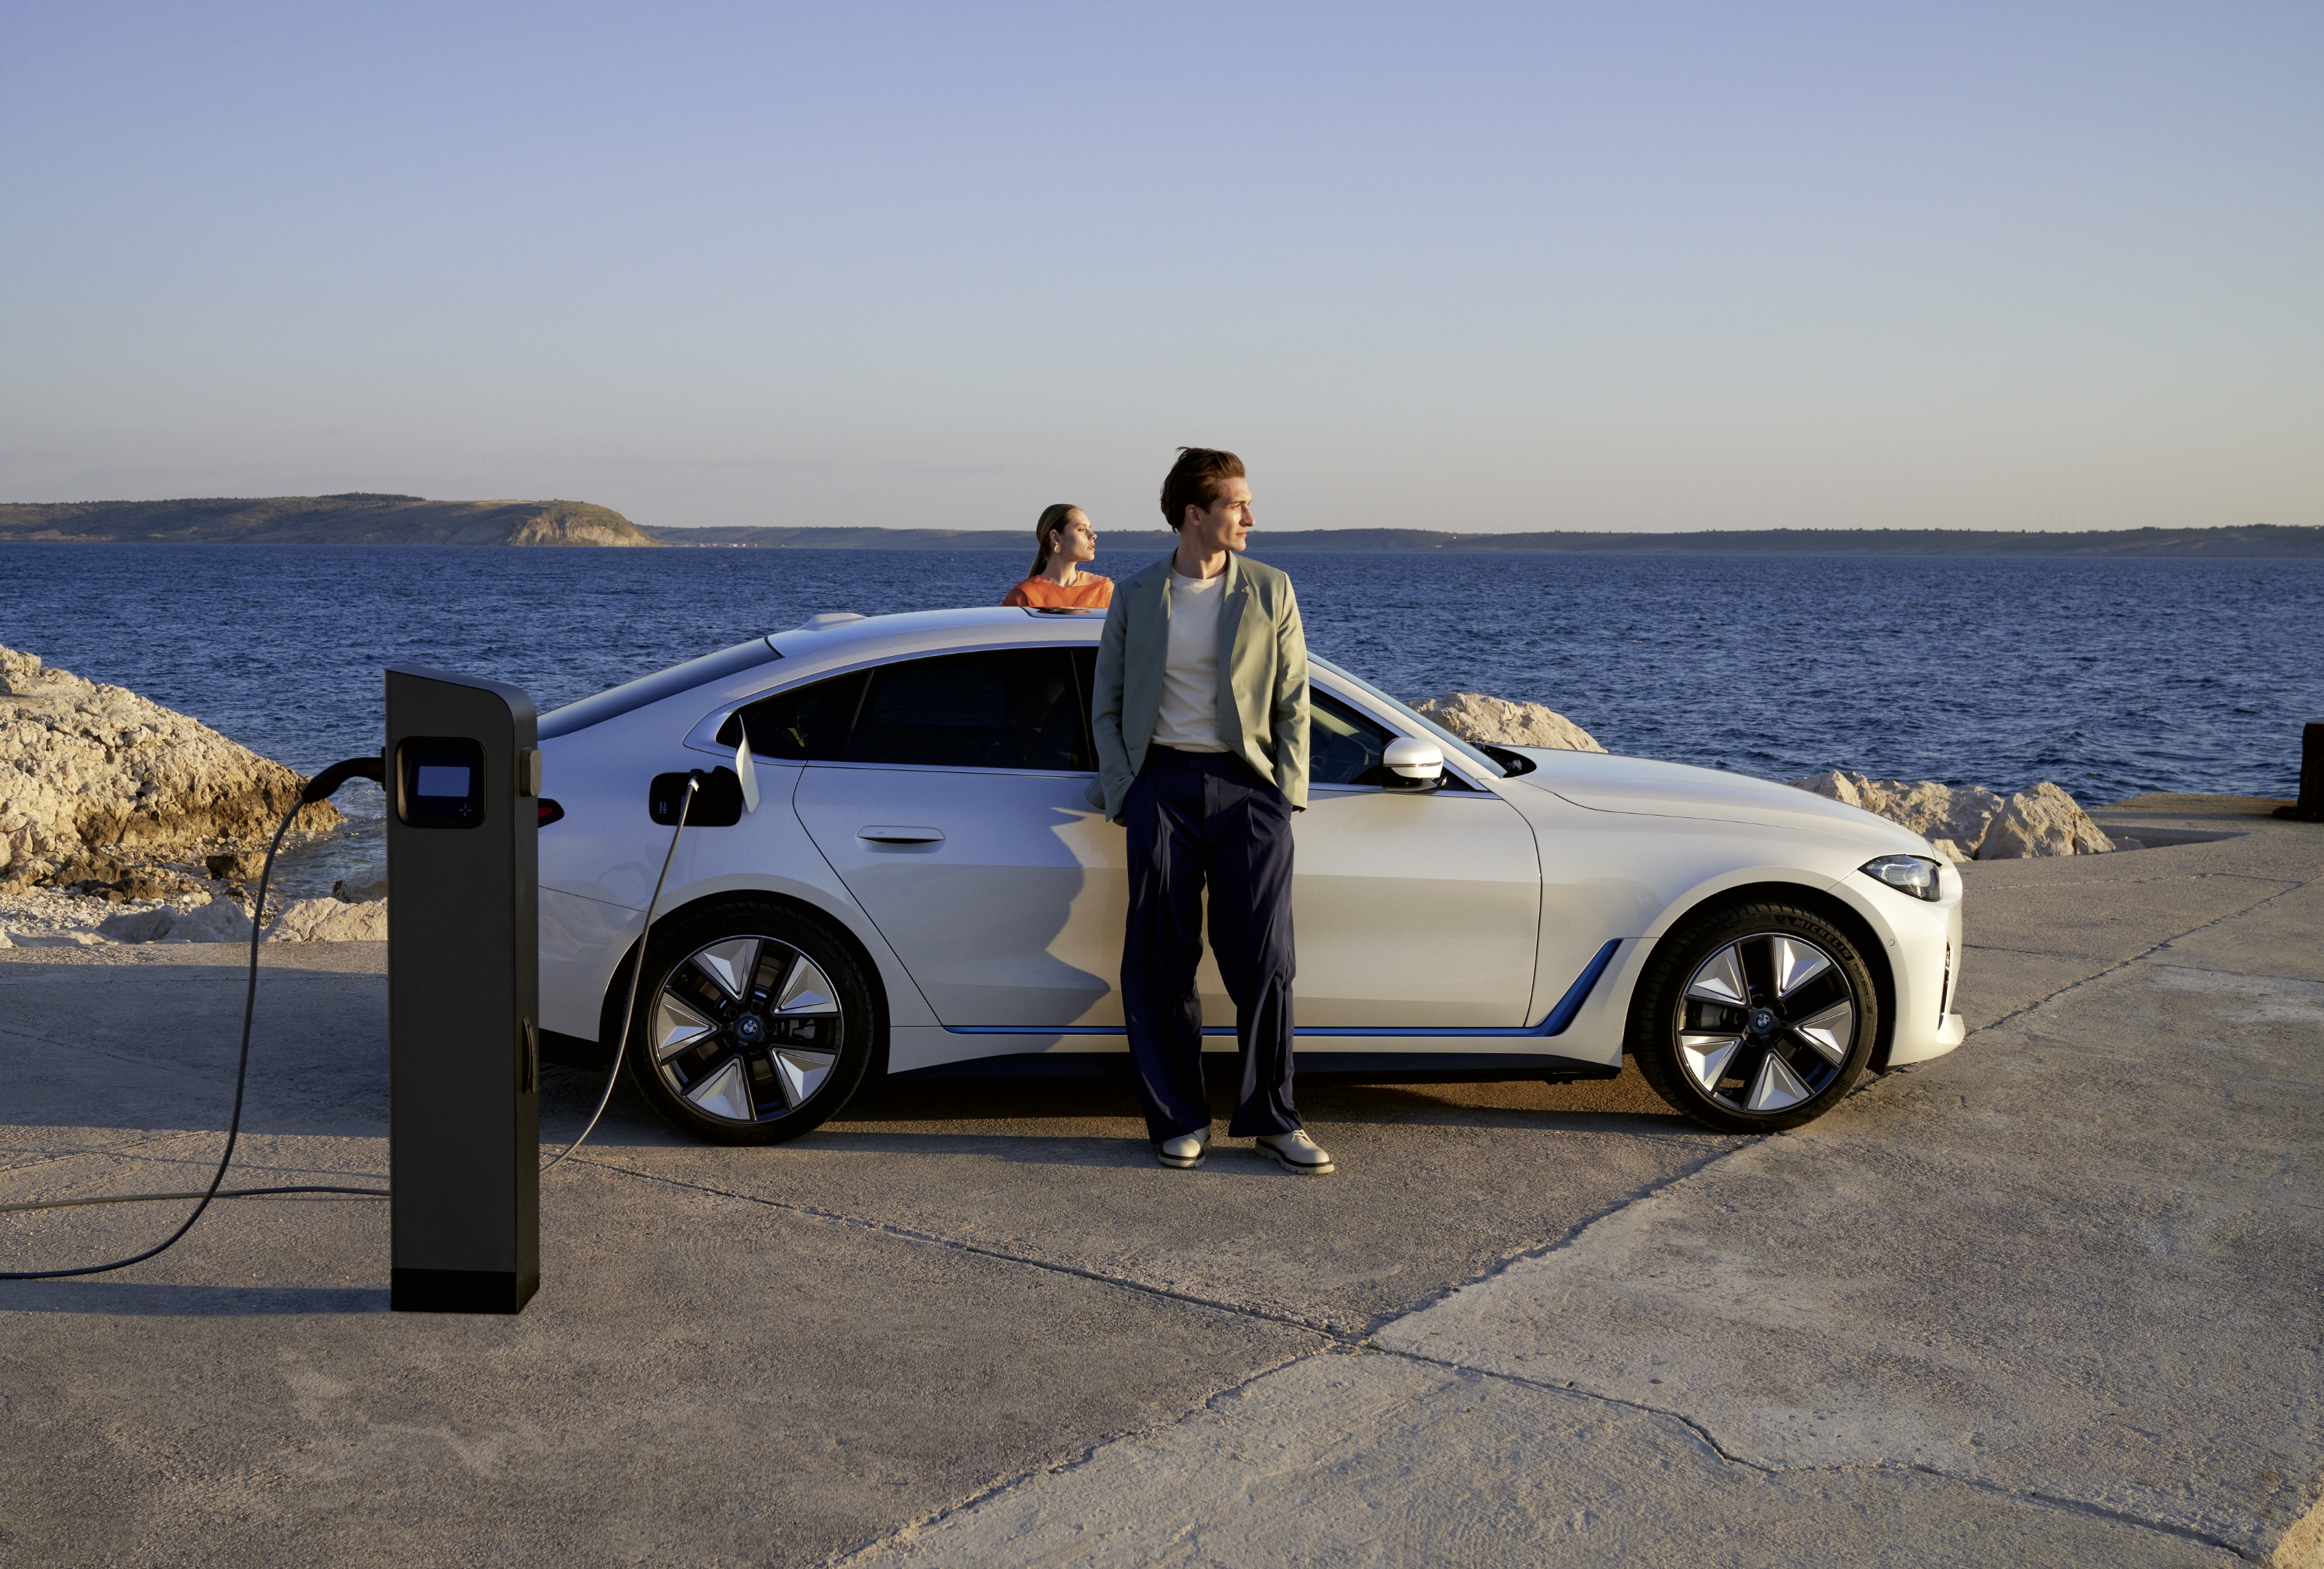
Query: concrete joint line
point(1357, 1339)
point(40, 1160)
point(2029, 952)
point(1710, 1443)
point(2279, 884)
point(120, 1057)
point(1572, 1234)
point(901, 1537)
point(2126, 963)
point(983, 1250)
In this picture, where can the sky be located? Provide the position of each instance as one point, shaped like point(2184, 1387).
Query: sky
point(1646, 266)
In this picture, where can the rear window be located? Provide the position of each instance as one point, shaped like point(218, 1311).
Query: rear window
point(808, 724)
point(1013, 709)
point(653, 689)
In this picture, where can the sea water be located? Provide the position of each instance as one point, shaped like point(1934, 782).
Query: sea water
point(2110, 676)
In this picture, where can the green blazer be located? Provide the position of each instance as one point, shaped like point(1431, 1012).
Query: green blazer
point(1262, 680)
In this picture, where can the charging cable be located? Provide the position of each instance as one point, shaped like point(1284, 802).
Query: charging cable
point(622, 1042)
point(320, 789)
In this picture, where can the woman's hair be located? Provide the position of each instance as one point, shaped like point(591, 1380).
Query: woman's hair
point(1052, 520)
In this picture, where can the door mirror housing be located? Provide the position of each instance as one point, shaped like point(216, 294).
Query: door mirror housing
point(1411, 763)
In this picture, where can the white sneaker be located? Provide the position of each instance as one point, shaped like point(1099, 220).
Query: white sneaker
point(1297, 1153)
point(1186, 1152)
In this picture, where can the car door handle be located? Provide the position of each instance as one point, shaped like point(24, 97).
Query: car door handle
point(887, 834)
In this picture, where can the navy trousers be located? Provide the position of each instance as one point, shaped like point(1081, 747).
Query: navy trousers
point(1196, 817)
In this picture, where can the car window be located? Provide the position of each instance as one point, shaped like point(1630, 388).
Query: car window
point(1491, 767)
point(998, 708)
point(806, 723)
point(1342, 744)
point(1347, 747)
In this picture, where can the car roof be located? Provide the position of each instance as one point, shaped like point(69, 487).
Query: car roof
point(842, 637)
point(829, 640)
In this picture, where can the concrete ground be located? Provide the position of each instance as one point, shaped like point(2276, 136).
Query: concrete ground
point(2051, 1299)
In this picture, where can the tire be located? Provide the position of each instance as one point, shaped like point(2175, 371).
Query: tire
point(1754, 1018)
point(754, 1022)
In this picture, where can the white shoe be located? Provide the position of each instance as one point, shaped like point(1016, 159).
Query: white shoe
point(1297, 1153)
point(1186, 1152)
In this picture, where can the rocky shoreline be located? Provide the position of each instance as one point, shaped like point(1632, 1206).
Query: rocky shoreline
point(125, 821)
point(122, 821)
point(1965, 823)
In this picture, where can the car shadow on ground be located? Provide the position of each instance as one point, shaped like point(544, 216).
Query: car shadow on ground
point(1523, 1102)
point(1093, 1123)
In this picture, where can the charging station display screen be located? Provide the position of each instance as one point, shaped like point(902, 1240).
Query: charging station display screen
point(440, 783)
point(436, 780)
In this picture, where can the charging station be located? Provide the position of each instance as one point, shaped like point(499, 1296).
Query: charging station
point(463, 765)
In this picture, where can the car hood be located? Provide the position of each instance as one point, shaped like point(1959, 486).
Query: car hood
point(1641, 787)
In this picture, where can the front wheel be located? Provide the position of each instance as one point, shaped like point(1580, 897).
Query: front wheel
point(753, 1024)
point(1755, 1019)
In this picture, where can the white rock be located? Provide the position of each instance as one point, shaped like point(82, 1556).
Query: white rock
point(59, 940)
point(1954, 817)
point(364, 886)
point(1833, 785)
point(328, 920)
point(221, 920)
point(91, 768)
point(1474, 716)
point(5, 941)
point(142, 925)
point(2043, 821)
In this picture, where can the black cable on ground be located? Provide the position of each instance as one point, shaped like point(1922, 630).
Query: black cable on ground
point(9, 1209)
point(318, 789)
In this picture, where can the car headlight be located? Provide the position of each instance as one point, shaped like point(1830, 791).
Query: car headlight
point(1913, 874)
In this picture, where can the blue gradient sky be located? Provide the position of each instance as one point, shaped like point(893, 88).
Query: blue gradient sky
point(1646, 266)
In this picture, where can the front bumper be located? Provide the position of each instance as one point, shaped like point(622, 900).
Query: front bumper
point(1923, 943)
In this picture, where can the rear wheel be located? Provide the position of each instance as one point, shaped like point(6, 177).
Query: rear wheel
point(753, 1024)
point(1755, 1019)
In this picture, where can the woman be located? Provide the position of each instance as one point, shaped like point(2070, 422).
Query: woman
point(1066, 541)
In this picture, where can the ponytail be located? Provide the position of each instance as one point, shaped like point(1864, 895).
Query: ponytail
point(1052, 520)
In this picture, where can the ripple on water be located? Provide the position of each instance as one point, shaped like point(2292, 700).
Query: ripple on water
point(2110, 675)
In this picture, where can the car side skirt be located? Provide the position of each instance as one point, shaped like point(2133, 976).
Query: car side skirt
point(1354, 1068)
point(915, 1051)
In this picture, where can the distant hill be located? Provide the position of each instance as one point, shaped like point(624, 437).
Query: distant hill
point(2263, 539)
point(355, 518)
point(362, 518)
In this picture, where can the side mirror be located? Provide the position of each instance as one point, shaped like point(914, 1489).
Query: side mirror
point(1413, 764)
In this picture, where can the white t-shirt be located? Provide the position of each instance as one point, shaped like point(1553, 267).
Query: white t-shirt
point(1189, 720)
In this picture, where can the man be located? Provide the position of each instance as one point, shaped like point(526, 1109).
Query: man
point(1201, 717)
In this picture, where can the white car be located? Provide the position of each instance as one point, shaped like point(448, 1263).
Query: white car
point(924, 890)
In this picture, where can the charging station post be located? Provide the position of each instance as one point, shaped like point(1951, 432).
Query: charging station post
point(463, 992)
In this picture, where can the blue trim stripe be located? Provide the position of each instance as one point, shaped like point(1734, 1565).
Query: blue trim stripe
point(1560, 1017)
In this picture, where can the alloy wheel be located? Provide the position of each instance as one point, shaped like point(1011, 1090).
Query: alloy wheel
point(1766, 1022)
point(746, 1028)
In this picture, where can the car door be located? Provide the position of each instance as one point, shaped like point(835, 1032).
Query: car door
point(955, 815)
point(1412, 909)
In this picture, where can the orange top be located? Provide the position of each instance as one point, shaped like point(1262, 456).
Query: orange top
point(1092, 593)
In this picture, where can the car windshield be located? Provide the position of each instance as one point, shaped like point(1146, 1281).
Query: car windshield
point(1477, 760)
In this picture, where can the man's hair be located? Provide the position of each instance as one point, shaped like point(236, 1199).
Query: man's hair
point(1195, 479)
